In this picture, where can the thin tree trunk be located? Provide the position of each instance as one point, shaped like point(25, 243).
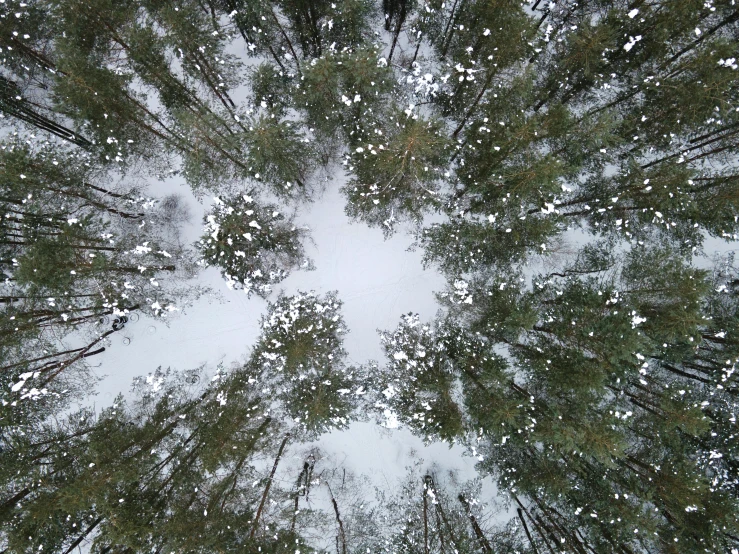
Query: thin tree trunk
point(84, 353)
point(87, 531)
point(269, 485)
point(415, 53)
point(425, 518)
point(338, 520)
point(302, 475)
point(35, 55)
point(538, 529)
point(396, 34)
point(676, 371)
point(445, 42)
point(475, 526)
point(733, 17)
point(547, 512)
point(222, 95)
point(526, 530)
point(8, 503)
point(714, 132)
point(96, 203)
point(17, 110)
point(315, 35)
point(696, 147)
point(284, 35)
point(440, 512)
point(474, 104)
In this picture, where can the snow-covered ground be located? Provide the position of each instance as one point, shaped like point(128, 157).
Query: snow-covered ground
point(378, 280)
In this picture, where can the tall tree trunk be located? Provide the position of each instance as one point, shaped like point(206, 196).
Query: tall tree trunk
point(84, 353)
point(731, 19)
point(484, 543)
point(287, 40)
point(342, 535)
point(479, 96)
point(21, 110)
point(440, 512)
point(425, 517)
point(255, 524)
point(536, 526)
point(87, 531)
point(396, 34)
point(8, 503)
point(447, 41)
point(526, 530)
point(302, 475)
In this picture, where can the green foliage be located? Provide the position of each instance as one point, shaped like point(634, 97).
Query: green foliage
point(255, 246)
point(148, 474)
point(300, 354)
point(417, 385)
point(78, 251)
point(399, 178)
point(322, 25)
point(596, 385)
point(279, 155)
point(338, 90)
point(463, 245)
point(270, 88)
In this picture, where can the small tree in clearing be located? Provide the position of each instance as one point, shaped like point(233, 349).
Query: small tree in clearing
point(255, 246)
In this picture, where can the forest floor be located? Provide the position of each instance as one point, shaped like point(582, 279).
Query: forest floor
point(378, 280)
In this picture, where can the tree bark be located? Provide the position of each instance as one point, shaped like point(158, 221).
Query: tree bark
point(269, 485)
point(474, 104)
point(484, 543)
point(425, 518)
point(446, 41)
point(526, 530)
point(338, 520)
point(87, 531)
point(396, 34)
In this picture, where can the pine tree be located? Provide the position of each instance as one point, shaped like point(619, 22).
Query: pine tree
point(262, 30)
point(482, 41)
point(573, 379)
point(301, 358)
point(441, 515)
point(168, 471)
point(396, 13)
point(279, 155)
point(270, 88)
point(416, 386)
point(398, 178)
point(254, 245)
point(74, 256)
point(597, 388)
point(340, 93)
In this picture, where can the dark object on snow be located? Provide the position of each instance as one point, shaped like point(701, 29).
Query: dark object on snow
point(119, 323)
